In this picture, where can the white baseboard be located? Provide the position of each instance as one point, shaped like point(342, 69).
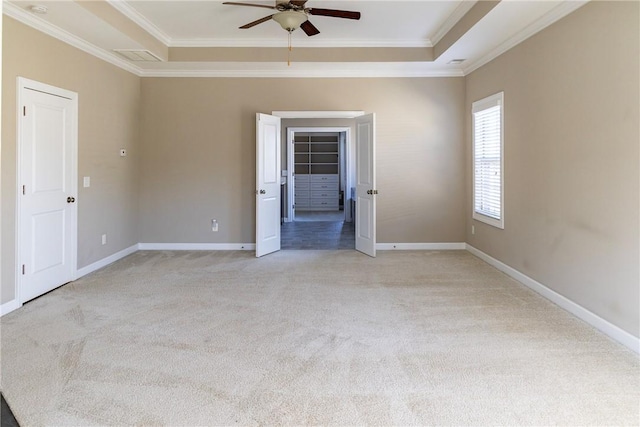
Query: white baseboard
point(197, 246)
point(9, 306)
point(105, 261)
point(420, 246)
point(609, 329)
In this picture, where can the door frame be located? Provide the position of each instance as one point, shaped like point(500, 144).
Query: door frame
point(291, 160)
point(317, 114)
point(24, 84)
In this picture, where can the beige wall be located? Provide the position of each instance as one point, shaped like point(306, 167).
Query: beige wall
point(198, 153)
point(109, 103)
point(571, 159)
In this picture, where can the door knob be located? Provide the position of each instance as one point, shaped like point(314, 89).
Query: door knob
point(263, 192)
point(71, 199)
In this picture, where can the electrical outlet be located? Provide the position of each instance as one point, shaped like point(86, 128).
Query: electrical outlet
point(214, 225)
point(104, 239)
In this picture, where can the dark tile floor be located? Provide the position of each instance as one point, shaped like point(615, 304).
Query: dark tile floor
point(318, 235)
point(8, 420)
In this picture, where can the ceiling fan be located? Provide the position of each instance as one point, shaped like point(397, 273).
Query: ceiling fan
point(292, 14)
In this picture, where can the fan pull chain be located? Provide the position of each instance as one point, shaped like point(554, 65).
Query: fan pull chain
point(289, 52)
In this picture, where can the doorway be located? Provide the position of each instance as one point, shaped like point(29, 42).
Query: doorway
point(318, 214)
point(362, 162)
point(319, 173)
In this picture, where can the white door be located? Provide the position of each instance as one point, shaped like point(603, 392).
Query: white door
point(267, 184)
point(46, 188)
point(366, 184)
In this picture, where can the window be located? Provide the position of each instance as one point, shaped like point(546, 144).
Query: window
point(488, 183)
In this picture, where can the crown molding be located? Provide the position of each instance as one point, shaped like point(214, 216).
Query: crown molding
point(41, 25)
point(307, 43)
point(555, 14)
point(448, 24)
point(373, 72)
point(140, 20)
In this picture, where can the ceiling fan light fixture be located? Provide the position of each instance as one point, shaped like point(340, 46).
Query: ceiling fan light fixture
point(290, 20)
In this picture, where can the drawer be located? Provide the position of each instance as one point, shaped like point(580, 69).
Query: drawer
point(301, 186)
point(324, 203)
point(301, 178)
point(324, 178)
point(301, 194)
point(302, 203)
point(324, 194)
point(324, 186)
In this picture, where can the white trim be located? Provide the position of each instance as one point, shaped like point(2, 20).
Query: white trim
point(460, 11)
point(139, 19)
point(10, 306)
point(373, 70)
point(105, 261)
point(302, 43)
point(609, 329)
point(555, 14)
point(317, 114)
point(32, 21)
point(447, 246)
point(196, 246)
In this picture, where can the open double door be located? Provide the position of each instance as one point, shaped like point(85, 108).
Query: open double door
point(268, 158)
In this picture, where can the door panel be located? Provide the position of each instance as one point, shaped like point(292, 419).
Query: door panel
point(365, 185)
point(47, 244)
point(267, 184)
point(47, 221)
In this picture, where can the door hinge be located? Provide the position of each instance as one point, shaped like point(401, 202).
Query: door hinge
point(23, 269)
point(24, 190)
point(24, 110)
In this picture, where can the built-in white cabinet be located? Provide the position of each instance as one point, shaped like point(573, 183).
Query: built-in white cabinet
point(316, 166)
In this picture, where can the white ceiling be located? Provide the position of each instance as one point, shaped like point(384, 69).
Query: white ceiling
point(385, 24)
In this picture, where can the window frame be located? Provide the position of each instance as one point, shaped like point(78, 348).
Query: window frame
point(476, 107)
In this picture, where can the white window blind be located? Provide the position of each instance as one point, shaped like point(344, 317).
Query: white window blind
point(488, 160)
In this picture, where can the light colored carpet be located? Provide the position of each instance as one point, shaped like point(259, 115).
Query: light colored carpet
point(309, 337)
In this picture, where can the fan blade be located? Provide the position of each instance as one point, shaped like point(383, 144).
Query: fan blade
point(309, 29)
point(254, 23)
point(334, 13)
point(299, 3)
point(249, 4)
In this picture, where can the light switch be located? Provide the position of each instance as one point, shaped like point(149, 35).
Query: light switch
point(86, 181)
